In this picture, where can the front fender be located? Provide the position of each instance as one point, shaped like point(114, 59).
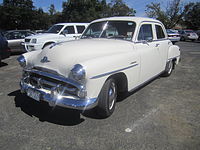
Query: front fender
point(100, 69)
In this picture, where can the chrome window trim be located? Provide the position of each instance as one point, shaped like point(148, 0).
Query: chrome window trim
point(152, 41)
point(112, 72)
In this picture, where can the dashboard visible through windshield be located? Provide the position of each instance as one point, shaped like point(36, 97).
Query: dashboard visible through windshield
point(110, 29)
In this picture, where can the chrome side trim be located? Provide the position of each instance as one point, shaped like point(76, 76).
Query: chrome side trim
point(112, 72)
point(56, 77)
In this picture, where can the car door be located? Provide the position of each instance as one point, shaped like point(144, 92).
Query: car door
point(150, 64)
point(162, 43)
point(68, 34)
point(15, 39)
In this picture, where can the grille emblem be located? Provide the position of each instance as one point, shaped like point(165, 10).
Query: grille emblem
point(44, 59)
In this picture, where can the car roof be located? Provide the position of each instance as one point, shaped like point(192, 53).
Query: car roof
point(128, 18)
point(9, 31)
point(71, 23)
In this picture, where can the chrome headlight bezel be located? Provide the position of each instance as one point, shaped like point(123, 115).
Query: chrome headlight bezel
point(22, 61)
point(34, 41)
point(78, 73)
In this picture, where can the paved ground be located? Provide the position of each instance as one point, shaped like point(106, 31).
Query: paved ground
point(163, 115)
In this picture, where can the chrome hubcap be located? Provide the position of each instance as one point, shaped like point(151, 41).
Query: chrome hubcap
point(112, 95)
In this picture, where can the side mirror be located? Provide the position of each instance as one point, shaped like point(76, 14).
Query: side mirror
point(64, 32)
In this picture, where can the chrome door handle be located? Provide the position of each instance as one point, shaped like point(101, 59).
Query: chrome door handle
point(157, 45)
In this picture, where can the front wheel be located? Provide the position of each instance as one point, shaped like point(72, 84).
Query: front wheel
point(107, 99)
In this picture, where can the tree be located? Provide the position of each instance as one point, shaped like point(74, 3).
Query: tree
point(52, 10)
point(192, 15)
point(119, 8)
point(171, 16)
point(16, 14)
point(88, 10)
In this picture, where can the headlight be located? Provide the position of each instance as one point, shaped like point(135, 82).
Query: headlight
point(34, 41)
point(22, 61)
point(78, 73)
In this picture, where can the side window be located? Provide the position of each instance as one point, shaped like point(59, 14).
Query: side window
point(145, 32)
point(69, 30)
point(80, 29)
point(159, 32)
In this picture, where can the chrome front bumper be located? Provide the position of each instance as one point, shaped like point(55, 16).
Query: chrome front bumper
point(57, 100)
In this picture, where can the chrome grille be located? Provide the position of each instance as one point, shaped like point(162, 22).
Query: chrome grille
point(40, 81)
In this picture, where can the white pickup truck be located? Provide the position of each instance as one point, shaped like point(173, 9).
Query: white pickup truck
point(57, 33)
point(113, 55)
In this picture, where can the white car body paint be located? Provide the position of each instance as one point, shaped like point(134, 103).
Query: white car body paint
point(140, 61)
point(46, 38)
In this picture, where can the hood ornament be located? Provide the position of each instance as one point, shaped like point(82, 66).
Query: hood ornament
point(44, 60)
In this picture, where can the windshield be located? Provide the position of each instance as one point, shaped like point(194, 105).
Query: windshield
point(55, 29)
point(110, 29)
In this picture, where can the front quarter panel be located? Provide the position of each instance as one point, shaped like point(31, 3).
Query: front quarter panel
point(100, 69)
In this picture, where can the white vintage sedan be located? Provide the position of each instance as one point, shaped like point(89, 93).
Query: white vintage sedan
point(114, 55)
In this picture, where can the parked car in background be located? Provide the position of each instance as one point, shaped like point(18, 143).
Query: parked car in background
point(4, 50)
point(198, 33)
point(113, 56)
point(57, 33)
point(188, 35)
point(173, 36)
point(15, 39)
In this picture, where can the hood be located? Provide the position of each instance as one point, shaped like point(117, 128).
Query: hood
point(42, 36)
point(63, 56)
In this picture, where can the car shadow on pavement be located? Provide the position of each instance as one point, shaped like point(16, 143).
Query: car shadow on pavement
point(41, 110)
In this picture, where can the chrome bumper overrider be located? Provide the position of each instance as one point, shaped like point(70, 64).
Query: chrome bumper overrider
point(53, 100)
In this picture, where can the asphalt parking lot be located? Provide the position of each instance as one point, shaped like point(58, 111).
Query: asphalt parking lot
point(163, 115)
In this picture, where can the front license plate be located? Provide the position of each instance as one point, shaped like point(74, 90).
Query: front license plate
point(33, 94)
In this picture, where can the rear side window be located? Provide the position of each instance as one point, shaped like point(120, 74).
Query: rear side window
point(80, 29)
point(159, 32)
point(145, 32)
point(70, 30)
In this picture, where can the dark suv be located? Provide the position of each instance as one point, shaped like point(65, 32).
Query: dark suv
point(4, 50)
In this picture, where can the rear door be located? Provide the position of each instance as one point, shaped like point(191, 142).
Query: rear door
point(146, 45)
point(162, 43)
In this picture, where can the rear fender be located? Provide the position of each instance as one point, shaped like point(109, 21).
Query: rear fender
point(174, 53)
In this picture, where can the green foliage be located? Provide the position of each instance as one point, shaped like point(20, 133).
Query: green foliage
point(191, 16)
point(119, 8)
point(21, 14)
point(171, 16)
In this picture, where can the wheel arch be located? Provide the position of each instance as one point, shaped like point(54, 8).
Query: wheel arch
point(47, 43)
point(121, 81)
